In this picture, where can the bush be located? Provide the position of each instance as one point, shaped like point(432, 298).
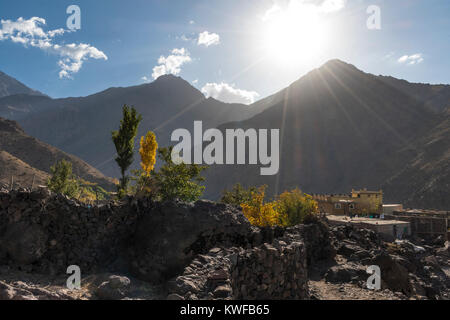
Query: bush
point(238, 195)
point(177, 181)
point(295, 207)
point(63, 180)
point(258, 212)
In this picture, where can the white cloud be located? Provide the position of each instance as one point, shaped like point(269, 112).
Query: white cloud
point(227, 93)
point(185, 38)
point(208, 39)
point(333, 5)
point(192, 22)
point(195, 82)
point(412, 59)
point(172, 63)
point(318, 6)
point(30, 33)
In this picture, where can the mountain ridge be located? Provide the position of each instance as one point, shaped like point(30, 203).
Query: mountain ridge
point(345, 129)
point(23, 151)
point(10, 86)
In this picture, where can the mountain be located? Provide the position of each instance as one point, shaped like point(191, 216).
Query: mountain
point(341, 128)
point(425, 180)
point(21, 105)
point(82, 126)
point(23, 174)
point(10, 86)
point(23, 156)
point(436, 97)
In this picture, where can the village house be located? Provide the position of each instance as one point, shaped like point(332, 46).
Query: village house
point(359, 202)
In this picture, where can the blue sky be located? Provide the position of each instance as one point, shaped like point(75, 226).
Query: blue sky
point(249, 49)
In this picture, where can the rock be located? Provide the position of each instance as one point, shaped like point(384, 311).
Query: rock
point(347, 249)
point(24, 243)
point(345, 273)
point(174, 296)
point(444, 251)
point(393, 275)
point(186, 285)
point(115, 288)
point(223, 292)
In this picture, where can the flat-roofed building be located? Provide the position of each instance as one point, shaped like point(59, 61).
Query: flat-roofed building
point(359, 202)
point(390, 229)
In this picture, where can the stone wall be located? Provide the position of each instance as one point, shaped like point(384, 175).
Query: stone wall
point(46, 232)
point(202, 250)
point(269, 271)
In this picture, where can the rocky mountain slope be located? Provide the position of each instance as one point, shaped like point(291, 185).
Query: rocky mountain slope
point(21, 105)
point(340, 129)
point(22, 173)
point(82, 126)
point(425, 179)
point(25, 156)
point(436, 97)
point(10, 86)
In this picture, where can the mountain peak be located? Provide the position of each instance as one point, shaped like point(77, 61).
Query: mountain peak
point(10, 86)
point(168, 77)
point(336, 63)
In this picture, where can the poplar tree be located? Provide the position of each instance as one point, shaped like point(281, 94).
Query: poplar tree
point(124, 141)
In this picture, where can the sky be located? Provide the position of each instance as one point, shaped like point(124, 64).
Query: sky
point(233, 50)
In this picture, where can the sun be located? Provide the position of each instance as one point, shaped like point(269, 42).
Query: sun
point(294, 34)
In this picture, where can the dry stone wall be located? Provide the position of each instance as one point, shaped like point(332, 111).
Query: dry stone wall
point(203, 250)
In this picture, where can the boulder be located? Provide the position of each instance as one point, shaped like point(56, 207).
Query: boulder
point(345, 273)
point(393, 275)
point(115, 288)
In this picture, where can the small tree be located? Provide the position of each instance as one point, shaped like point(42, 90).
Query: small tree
point(124, 141)
point(63, 180)
point(148, 152)
point(178, 181)
point(258, 212)
point(144, 182)
point(238, 195)
point(295, 207)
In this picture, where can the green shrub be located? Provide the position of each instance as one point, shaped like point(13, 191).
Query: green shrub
point(238, 195)
point(63, 180)
point(177, 181)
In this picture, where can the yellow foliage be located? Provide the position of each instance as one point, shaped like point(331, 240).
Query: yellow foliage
point(148, 152)
point(295, 206)
point(290, 209)
point(259, 213)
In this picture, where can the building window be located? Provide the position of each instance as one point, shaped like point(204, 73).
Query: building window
point(337, 206)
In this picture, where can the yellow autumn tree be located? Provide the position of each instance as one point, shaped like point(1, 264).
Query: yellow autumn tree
point(148, 152)
point(294, 207)
point(258, 212)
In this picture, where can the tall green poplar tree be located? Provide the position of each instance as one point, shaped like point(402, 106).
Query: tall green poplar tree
point(124, 141)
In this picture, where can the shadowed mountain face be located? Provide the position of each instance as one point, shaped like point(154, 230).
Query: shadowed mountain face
point(83, 126)
point(435, 97)
point(10, 86)
point(23, 156)
point(340, 129)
